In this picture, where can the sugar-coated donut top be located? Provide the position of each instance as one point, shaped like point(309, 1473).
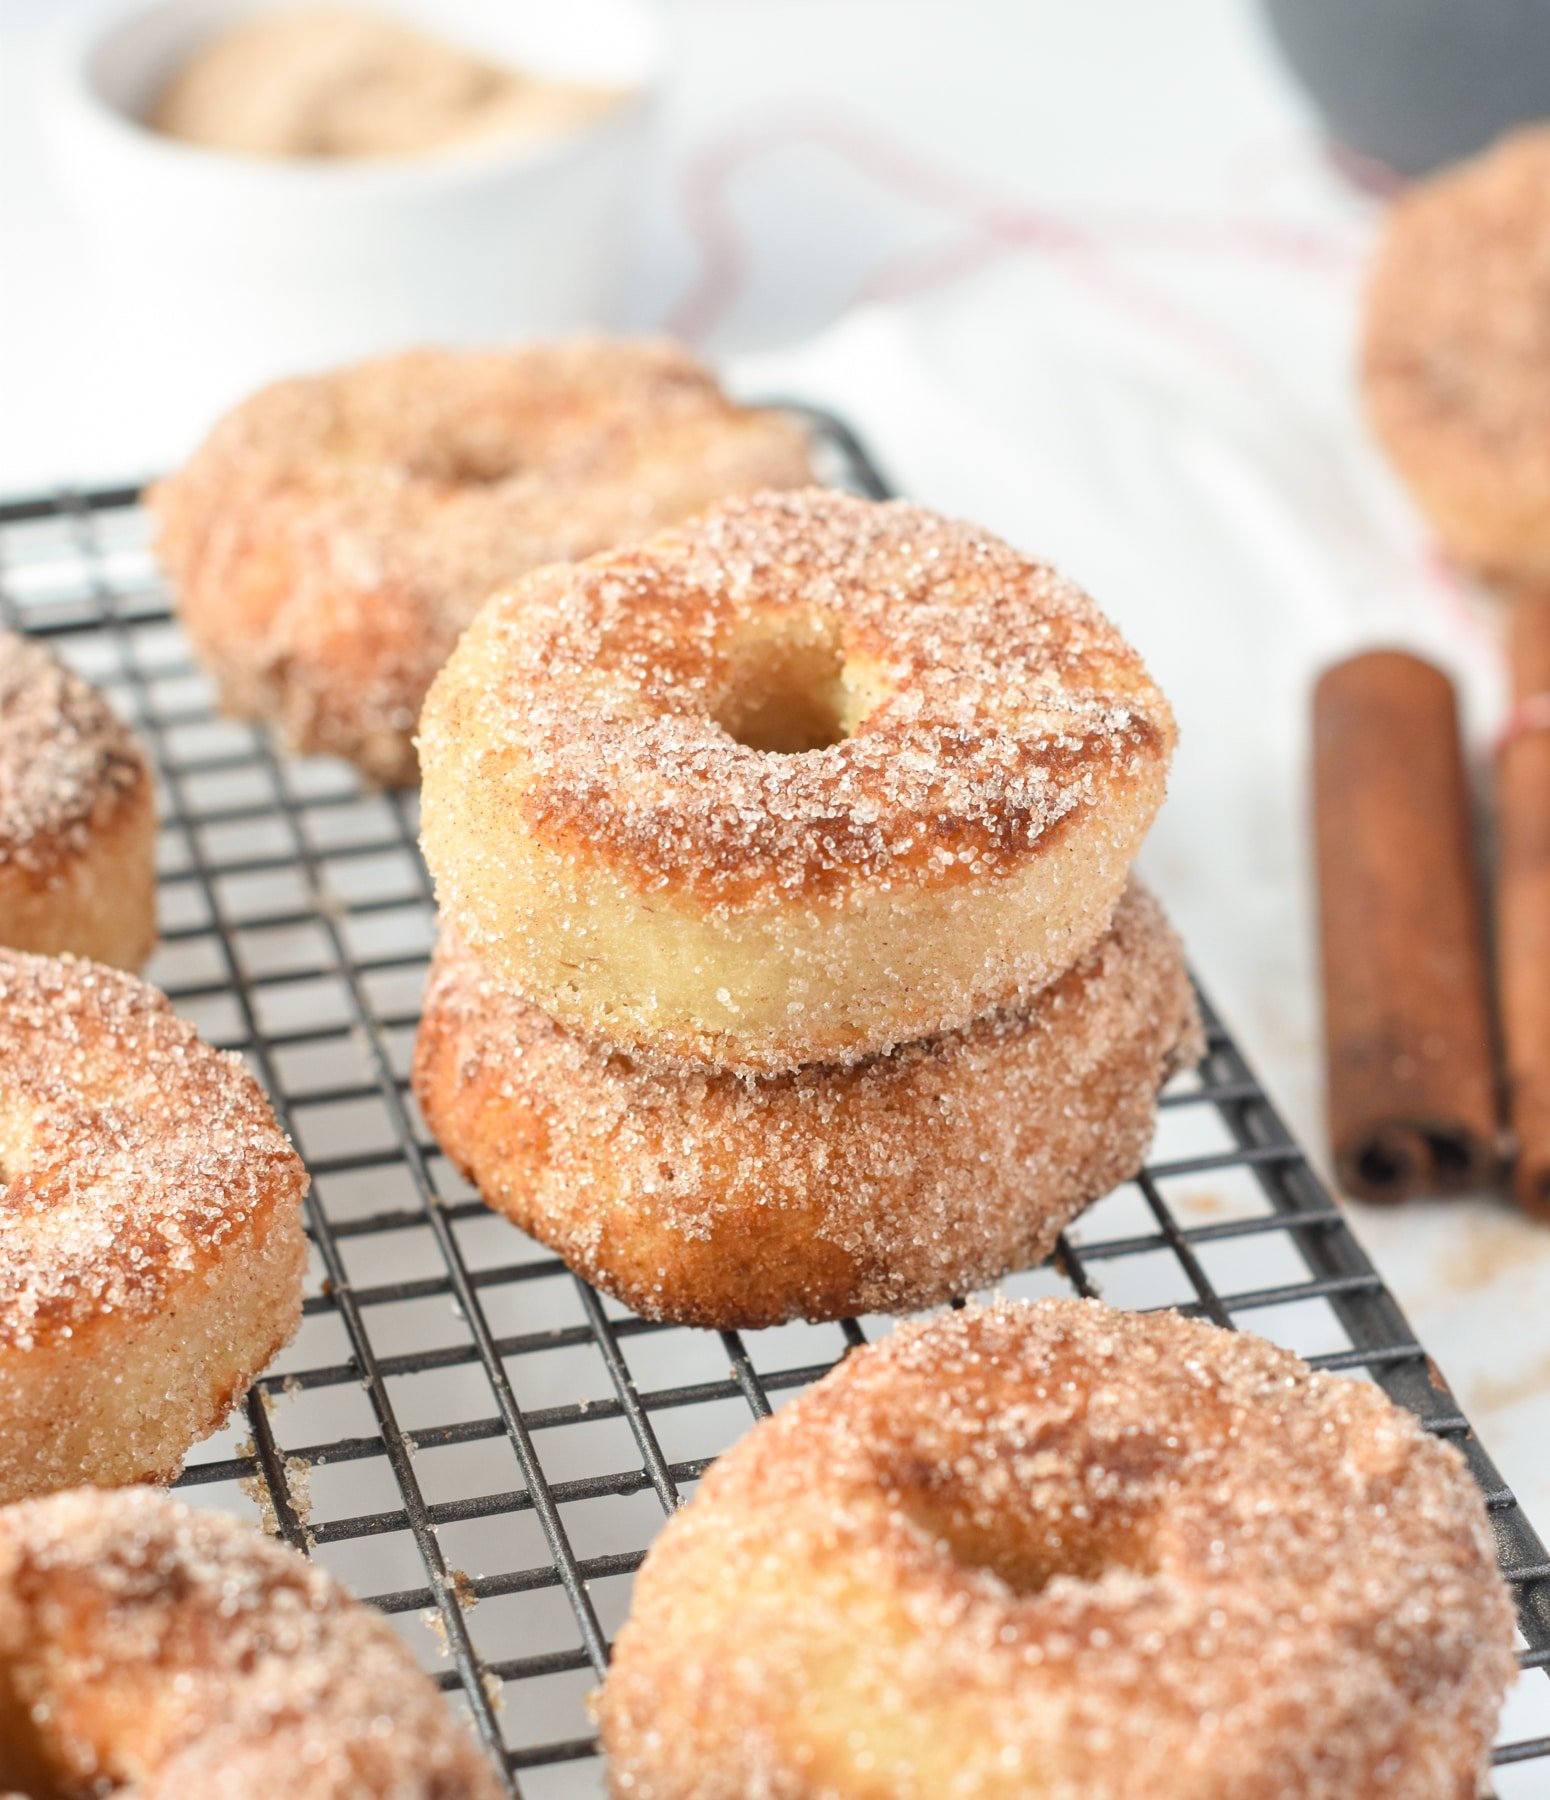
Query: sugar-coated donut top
point(65, 759)
point(130, 1150)
point(1196, 1454)
point(448, 472)
point(1142, 1544)
point(155, 1632)
point(981, 696)
point(1457, 352)
point(334, 533)
point(508, 423)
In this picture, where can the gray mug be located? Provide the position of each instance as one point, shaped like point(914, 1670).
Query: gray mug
point(1413, 84)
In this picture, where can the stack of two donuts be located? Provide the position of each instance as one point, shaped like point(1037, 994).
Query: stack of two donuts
point(790, 961)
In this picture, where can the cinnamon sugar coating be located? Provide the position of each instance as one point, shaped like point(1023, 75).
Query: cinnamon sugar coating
point(739, 1201)
point(1059, 1552)
point(77, 816)
point(808, 778)
point(1456, 354)
point(163, 1653)
point(151, 1250)
point(334, 534)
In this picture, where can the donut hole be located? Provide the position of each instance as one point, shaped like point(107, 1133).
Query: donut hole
point(786, 687)
point(465, 458)
point(1027, 1552)
point(1073, 1519)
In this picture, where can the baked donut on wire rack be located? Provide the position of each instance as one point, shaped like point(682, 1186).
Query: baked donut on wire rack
point(333, 535)
point(151, 1249)
point(1456, 354)
point(1053, 1551)
point(732, 1201)
point(148, 1649)
point(805, 779)
point(77, 816)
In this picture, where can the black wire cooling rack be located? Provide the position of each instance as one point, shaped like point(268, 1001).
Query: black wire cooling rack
point(464, 1432)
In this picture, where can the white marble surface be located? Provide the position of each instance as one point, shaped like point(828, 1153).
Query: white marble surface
point(1080, 272)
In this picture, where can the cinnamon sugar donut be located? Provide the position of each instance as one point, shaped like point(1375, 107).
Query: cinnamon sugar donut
point(1456, 354)
point(1056, 1552)
point(333, 535)
point(155, 1651)
point(77, 816)
point(806, 779)
point(736, 1201)
point(151, 1249)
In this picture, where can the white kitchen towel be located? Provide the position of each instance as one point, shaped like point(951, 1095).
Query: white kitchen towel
point(1205, 472)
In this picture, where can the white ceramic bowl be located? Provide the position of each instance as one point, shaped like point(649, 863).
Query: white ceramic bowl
point(266, 265)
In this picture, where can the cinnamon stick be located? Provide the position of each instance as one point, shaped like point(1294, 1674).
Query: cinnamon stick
point(1412, 1093)
point(1523, 900)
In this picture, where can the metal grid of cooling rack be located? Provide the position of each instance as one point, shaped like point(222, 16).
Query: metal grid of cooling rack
point(465, 1433)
